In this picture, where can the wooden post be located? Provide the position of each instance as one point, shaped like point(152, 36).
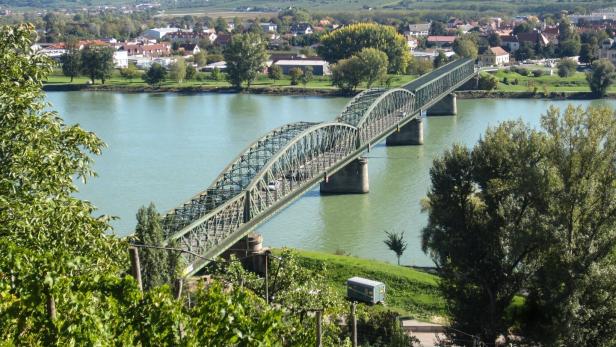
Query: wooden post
point(319, 328)
point(178, 288)
point(51, 305)
point(266, 278)
point(135, 266)
point(354, 324)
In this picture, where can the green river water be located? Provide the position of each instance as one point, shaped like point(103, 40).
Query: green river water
point(164, 148)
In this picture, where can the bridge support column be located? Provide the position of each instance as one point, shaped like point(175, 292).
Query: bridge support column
point(447, 106)
point(351, 179)
point(250, 249)
point(410, 134)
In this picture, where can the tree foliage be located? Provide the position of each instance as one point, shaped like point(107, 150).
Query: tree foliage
point(374, 64)
point(274, 72)
point(395, 242)
point(513, 213)
point(97, 62)
point(465, 47)
point(245, 57)
point(177, 70)
point(566, 67)
point(155, 75)
point(71, 63)
point(601, 76)
point(348, 41)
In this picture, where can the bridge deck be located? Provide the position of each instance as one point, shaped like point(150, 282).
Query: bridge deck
point(279, 167)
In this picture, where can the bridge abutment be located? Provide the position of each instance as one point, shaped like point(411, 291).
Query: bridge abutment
point(408, 135)
point(445, 107)
point(352, 179)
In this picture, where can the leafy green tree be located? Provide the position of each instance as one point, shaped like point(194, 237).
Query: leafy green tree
point(307, 75)
point(374, 64)
point(438, 28)
point(566, 67)
point(346, 74)
point(465, 47)
point(154, 262)
point(383, 329)
point(177, 70)
point(274, 72)
point(155, 75)
point(395, 242)
point(97, 62)
point(53, 249)
point(217, 75)
point(191, 71)
point(200, 58)
point(71, 63)
point(526, 51)
point(440, 59)
point(419, 66)
point(494, 40)
point(295, 74)
point(569, 48)
point(601, 76)
point(588, 53)
point(487, 82)
point(130, 72)
point(349, 40)
point(245, 57)
point(221, 25)
point(568, 305)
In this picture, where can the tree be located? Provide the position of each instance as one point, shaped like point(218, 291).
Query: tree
point(525, 52)
point(53, 249)
point(374, 64)
point(221, 25)
point(440, 59)
point(465, 48)
point(569, 48)
point(191, 71)
point(419, 66)
point(295, 74)
point(306, 75)
point(155, 75)
point(71, 63)
point(524, 27)
point(588, 53)
point(601, 76)
point(245, 56)
point(274, 72)
point(513, 213)
point(97, 62)
point(569, 304)
point(177, 70)
point(395, 242)
point(438, 28)
point(154, 262)
point(350, 40)
point(346, 74)
point(487, 82)
point(200, 58)
point(129, 72)
point(566, 67)
point(494, 40)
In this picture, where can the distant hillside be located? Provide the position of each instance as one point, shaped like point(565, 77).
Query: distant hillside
point(45, 4)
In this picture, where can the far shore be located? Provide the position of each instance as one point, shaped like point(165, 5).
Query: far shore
point(325, 92)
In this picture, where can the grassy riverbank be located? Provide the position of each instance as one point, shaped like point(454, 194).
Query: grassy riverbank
point(410, 292)
point(319, 85)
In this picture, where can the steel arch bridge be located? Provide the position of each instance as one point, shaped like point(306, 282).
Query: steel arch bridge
point(279, 167)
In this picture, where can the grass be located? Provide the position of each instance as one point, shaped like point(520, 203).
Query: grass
point(319, 82)
point(409, 292)
point(575, 83)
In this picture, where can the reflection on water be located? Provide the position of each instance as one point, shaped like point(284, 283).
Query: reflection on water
point(166, 147)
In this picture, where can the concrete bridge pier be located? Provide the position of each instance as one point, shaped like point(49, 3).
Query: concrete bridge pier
point(445, 107)
point(410, 134)
point(351, 179)
point(250, 249)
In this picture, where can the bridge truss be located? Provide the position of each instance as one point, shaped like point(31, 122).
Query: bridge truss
point(279, 167)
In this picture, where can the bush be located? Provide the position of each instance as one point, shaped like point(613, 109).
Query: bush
point(487, 82)
point(537, 73)
point(520, 70)
point(566, 67)
point(275, 72)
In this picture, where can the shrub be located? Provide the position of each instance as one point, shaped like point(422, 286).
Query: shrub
point(537, 73)
point(487, 82)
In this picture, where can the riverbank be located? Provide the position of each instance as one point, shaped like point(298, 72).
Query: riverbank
point(310, 91)
point(410, 292)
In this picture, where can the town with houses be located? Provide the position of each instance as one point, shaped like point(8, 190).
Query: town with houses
point(163, 45)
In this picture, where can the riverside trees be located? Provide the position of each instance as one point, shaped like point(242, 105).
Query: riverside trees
point(533, 210)
point(245, 57)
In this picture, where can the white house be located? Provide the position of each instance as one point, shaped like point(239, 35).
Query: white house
point(608, 50)
point(269, 27)
point(120, 59)
point(319, 67)
point(418, 30)
point(494, 56)
point(301, 29)
point(159, 33)
point(431, 54)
